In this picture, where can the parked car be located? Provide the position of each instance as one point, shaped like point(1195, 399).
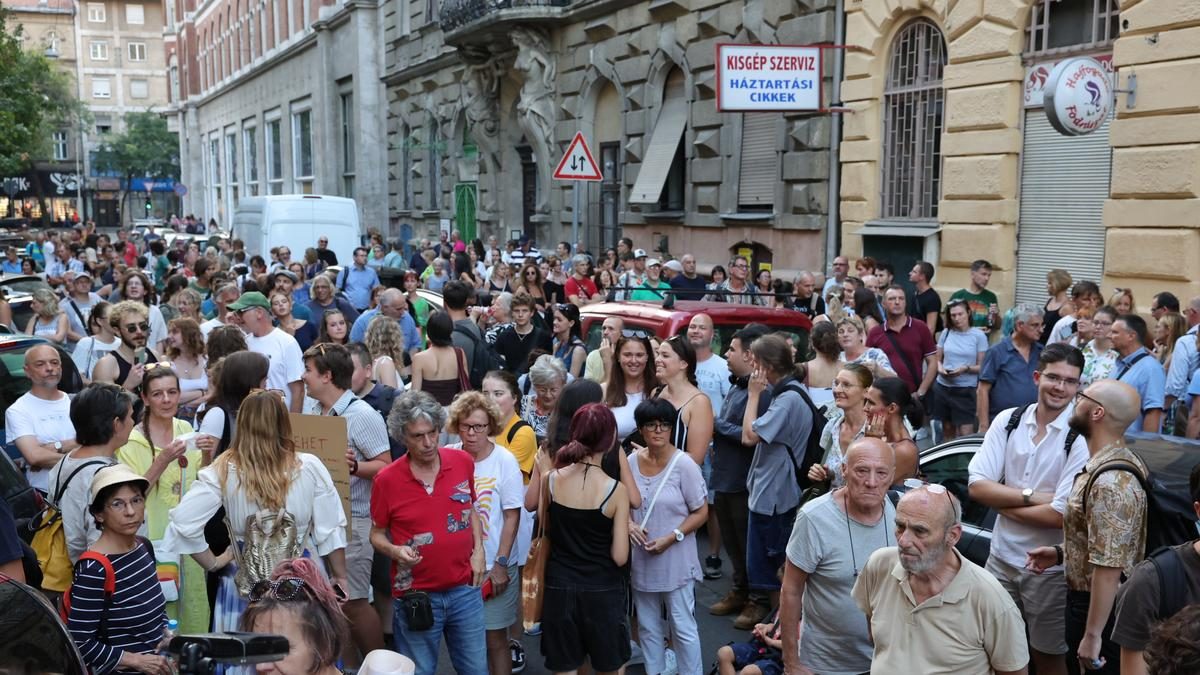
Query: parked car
point(22, 283)
point(664, 322)
point(1169, 458)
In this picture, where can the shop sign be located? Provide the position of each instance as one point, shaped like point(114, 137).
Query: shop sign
point(1079, 96)
point(764, 78)
point(53, 184)
point(1037, 74)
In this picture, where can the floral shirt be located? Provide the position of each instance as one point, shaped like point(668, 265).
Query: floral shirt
point(1112, 532)
point(835, 455)
point(872, 355)
point(1097, 365)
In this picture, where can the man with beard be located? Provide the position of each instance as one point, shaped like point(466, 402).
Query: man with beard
point(1024, 471)
point(929, 609)
point(127, 363)
point(1103, 541)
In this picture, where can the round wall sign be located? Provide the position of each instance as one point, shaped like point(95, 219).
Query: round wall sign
point(1079, 96)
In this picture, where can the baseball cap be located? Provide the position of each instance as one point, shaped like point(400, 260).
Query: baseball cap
point(83, 274)
point(652, 262)
point(248, 300)
point(639, 253)
point(115, 474)
point(674, 265)
point(285, 273)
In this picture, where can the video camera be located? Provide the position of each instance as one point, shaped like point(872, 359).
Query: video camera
point(199, 654)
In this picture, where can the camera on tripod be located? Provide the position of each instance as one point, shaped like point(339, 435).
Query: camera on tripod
point(199, 654)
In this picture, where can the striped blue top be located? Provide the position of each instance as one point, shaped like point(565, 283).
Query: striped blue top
point(136, 615)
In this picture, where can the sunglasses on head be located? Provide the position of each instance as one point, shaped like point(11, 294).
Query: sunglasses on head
point(635, 333)
point(282, 589)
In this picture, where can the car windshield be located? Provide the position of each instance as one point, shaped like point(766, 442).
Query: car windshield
point(25, 285)
point(723, 335)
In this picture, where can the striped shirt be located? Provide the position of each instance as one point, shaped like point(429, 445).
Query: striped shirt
point(136, 614)
point(368, 438)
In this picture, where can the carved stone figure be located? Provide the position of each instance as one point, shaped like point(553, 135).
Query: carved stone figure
point(536, 107)
point(481, 105)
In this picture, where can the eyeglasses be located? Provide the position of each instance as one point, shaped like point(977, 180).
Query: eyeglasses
point(283, 589)
point(1080, 394)
point(1065, 381)
point(121, 504)
point(656, 426)
point(933, 488)
point(740, 266)
point(473, 428)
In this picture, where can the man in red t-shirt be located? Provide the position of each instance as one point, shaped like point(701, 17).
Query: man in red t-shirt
point(581, 290)
point(424, 519)
point(907, 342)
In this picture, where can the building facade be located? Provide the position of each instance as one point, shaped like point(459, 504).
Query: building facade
point(483, 99)
point(947, 155)
point(279, 97)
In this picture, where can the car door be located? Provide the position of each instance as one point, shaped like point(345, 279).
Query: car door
point(947, 466)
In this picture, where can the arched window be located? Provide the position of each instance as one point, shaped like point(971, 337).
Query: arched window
point(1058, 26)
point(914, 107)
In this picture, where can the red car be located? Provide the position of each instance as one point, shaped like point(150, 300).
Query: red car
point(663, 323)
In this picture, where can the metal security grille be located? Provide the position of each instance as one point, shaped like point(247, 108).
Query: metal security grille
point(914, 105)
point(1061, 26)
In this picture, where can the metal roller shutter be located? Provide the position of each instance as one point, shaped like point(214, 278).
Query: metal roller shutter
point(759, 166)
point(1064, 183)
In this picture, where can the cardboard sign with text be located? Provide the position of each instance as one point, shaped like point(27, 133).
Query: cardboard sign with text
point(325, 437)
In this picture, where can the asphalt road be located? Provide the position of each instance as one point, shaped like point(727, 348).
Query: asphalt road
point(715, 631)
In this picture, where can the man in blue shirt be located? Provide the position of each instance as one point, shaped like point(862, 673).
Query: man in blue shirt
point(358, 280)
point(1006, 379)
point(393, 303)
point(1138, 368)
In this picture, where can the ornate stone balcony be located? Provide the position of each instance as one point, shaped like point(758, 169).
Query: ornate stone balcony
point(469, 21)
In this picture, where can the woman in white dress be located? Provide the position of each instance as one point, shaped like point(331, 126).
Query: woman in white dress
point(260, 473)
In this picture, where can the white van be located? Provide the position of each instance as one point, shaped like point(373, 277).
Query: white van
point(297, 221)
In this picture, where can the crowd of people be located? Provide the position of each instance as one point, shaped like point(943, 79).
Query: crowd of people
point(475, 516)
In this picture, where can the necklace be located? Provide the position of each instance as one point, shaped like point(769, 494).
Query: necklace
point(850, 535)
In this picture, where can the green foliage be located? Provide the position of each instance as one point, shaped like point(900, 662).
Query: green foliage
point(36, 99)
point(144, 149)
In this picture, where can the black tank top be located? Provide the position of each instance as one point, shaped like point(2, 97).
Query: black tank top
point(123, 368)
point(581, 545)
point(1050, 317)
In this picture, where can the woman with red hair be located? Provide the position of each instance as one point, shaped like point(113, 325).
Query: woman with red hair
point(299, 604)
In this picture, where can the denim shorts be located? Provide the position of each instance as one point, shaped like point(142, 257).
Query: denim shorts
point(766, 660)
point(766, 548)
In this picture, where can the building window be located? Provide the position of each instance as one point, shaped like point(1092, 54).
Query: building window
point(347, 113)
point(100, 88)
point(274, 157)
point(103, 129)
point(231, 158)
point(664, 155)
point(139, 89)
point(405, 170)
point(60, 145)
point(1059, 26)
point(914, 105)
point(137, 51)
point(302, 157)
point(135, 14)
point(434, 167)
point(95, 12)
point(98, 50)
point(758, 169)
point(250, 147)
point(214, 158)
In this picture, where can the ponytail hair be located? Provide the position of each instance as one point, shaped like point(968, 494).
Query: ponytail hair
point(894, 390)
point(593, 430)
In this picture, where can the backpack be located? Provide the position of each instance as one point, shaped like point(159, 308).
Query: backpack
point(483, 358)
point(269, 539)
point(1015, 420)
point(512, 433)
point(813, 452)
point(48, 540)
point(1170, 519)
point(110, 589)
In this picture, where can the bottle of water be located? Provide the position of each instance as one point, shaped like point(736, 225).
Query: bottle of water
point(170, 631)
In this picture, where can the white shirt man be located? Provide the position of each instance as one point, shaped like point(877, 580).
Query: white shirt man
point(1026, 474)
point(39, 422)
point(281, 349)
point(712, 373)
point(225, 296)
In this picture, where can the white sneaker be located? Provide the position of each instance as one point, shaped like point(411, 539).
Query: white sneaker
point(670, 664)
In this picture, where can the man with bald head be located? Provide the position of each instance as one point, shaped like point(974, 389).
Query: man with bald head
point(806, 301)
point(1106, 536)
point(822, 564)
point(393, 303)
point(929, 609)
point(39, 422)
point(687, 284)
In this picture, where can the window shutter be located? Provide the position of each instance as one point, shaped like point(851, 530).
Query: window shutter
point(759, 163)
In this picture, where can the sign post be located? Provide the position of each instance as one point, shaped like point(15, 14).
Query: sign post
point(577, 165)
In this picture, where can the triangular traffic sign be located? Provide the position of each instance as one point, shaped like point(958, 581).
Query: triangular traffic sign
point(578, 163)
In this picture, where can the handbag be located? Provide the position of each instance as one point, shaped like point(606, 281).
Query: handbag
point(533, 575)
point(658, 490)
point(464, 381)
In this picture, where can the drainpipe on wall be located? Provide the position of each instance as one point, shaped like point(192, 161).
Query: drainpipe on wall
point(833, 219)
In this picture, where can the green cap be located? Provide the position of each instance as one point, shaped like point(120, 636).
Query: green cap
point(248, 300)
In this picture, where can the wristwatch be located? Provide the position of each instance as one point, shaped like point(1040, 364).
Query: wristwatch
point(58, 447)
point(1027, 496)
point(502, 560)
point(678, 534)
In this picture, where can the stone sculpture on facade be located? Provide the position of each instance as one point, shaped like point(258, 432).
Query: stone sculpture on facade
point(536, 109)
point(481, 105)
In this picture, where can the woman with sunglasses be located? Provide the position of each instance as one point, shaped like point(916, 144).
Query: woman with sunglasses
point(500, 494)
point(630, 382)
point(260, 474)
point(101, 341)
point(567, 344)
point(888, 406)
point(847, 424)
point(675, 367)
point(121, 632)
point(298, 603)
point(665, 565)
point(155, 451)
point(960, 352)
point(532, 283)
